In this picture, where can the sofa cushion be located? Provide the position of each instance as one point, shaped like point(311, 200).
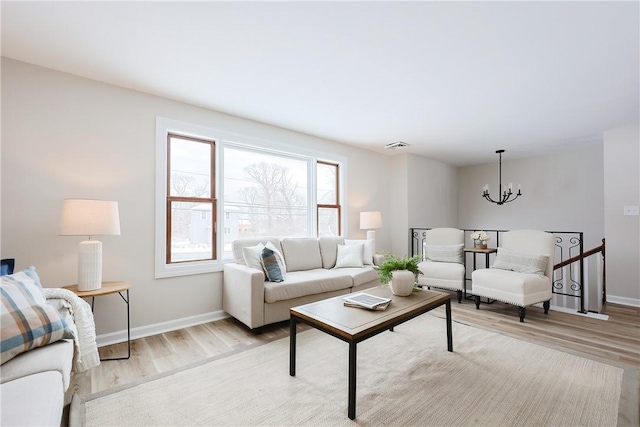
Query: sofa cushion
point(27, 320)
point(308, 282)
point(444, 253)
point(301, 254)
point(329, 249)
point(367, 257)
point(520, 262)
point(57, 356)
point(34, 400)
point(350, 256)
point(441, 270)
point(360, 276)
point(510, 282)
point(273, 264)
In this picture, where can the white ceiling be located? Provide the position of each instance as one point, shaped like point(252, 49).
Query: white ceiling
point(456, 80)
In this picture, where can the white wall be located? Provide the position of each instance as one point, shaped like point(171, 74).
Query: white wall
point(423, 192)
point(65, 136)
point(622, 233)
point(433, 189)
point(561, 192)
point(398, 195)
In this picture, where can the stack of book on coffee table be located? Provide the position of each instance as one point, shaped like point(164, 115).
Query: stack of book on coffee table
point(367, 301)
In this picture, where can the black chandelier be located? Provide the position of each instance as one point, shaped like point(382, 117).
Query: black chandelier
point(507, 191)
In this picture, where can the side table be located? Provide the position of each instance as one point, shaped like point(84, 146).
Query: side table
point(107, 289)
point(476, 251)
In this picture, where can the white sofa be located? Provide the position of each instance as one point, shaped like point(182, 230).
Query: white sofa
point(38, 383)
point(34, 385)
point(310, 276)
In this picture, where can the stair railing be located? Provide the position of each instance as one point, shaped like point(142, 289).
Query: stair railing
point(581, 258)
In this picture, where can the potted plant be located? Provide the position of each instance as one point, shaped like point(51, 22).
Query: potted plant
point(401, 273)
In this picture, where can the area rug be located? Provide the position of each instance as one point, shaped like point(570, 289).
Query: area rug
point(404, 378)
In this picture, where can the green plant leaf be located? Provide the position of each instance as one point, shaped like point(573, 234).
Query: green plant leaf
point(392, 264)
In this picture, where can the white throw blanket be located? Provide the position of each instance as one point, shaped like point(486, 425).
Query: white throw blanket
point(77, 313)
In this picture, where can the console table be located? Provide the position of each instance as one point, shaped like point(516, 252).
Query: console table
point(476, 251)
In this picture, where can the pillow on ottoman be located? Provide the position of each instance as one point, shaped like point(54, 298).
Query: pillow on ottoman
point(26, 318)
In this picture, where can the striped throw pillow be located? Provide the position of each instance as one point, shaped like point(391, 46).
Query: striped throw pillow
point(273, 264)
point(27, 320)
point(446, 253)
point(520, 262)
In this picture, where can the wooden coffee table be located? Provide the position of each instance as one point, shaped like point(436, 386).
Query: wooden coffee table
point(354, 325)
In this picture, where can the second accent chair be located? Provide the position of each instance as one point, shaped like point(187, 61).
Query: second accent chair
point(522, 273)
point(444, 265)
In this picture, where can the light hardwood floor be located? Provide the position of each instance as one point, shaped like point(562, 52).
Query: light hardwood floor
point(615, 341)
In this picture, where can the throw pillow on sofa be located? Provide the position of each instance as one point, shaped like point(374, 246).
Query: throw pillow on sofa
point(350, 256)
point(27, 320)
point(367, 257)
point(274, 267)
point(253, 256)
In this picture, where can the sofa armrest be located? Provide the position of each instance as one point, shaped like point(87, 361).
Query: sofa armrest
point(243, 294)
point(378, 259)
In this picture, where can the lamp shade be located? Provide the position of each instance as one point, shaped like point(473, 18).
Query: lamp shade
point(369, 220)
point(84, 217)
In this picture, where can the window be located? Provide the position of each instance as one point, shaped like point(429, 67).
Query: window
point(191, 203)
point(260, 187)
point(265, 193)
point(328, 195)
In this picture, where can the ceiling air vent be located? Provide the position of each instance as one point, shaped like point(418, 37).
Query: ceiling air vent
point(397, 144)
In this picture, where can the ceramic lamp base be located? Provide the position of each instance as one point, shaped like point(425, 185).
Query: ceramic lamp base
point(89, 265)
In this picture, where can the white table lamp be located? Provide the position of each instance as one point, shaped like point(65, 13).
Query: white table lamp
point(82, 217)
point(369, 221)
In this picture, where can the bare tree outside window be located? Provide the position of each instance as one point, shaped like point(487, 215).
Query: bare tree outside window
point(273, 201)
point(265, 194)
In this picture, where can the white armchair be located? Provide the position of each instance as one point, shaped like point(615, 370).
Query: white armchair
point(443, 266)
point(522, 273)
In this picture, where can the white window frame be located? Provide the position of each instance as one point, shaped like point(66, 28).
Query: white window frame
point(228, 139)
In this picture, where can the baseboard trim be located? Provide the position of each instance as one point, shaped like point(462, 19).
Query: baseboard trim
point(633, 302)
point(159, 328)
point(577, 313)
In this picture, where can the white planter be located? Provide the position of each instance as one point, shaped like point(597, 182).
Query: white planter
point(402, 283)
